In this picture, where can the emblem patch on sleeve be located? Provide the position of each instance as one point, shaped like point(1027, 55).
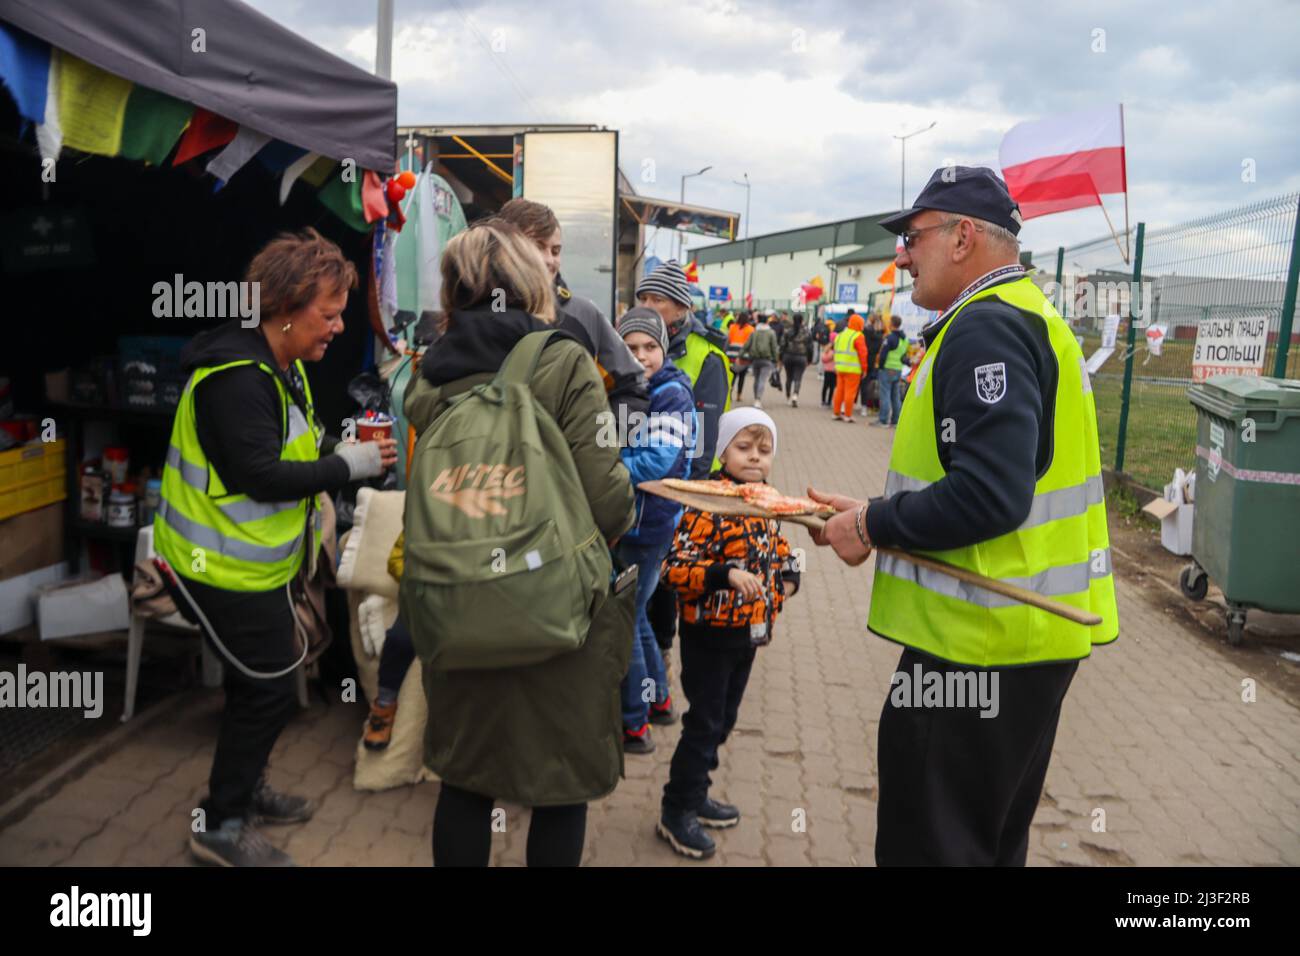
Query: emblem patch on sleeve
point(991, 382)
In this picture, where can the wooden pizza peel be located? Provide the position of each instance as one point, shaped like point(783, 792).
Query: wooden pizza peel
point(726, 505)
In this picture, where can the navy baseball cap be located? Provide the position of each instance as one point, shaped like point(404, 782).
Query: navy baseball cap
point(974, 191)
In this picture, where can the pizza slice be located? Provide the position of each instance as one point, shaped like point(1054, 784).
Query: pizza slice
point(723, 488)
point(768, 498)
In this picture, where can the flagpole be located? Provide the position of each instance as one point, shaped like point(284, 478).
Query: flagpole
point(1123, 146)
point(1122, 251)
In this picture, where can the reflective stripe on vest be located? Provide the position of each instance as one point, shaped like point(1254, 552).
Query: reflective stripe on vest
point(698, 348)
point(1061, 549)
point(894, 357)
point(847, 360)
point(228, 540)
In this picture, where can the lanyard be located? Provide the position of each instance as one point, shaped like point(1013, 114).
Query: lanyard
point(997, 276)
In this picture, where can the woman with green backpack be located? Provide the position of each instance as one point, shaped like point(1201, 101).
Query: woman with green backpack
point(514, 498)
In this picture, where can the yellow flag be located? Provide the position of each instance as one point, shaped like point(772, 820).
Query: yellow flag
point(92, 106)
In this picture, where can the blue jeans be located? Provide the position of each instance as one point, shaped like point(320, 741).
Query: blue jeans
point(890, 401)
point(646, 663)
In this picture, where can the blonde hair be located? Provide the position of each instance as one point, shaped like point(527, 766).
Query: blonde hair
point(493, 263)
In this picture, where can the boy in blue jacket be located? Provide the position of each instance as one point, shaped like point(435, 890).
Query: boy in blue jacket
point(659, 447)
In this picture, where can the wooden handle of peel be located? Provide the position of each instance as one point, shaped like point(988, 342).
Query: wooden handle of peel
point(1023, 595)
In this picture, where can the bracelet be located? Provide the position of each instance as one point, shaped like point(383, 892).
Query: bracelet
point(860, 521)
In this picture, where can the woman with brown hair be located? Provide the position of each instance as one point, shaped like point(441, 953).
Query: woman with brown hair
point(239, 518)
point(548, 735)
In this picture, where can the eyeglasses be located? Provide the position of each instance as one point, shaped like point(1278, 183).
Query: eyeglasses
point(909, 236)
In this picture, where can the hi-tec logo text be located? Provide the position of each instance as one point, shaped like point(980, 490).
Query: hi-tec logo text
point(75, 909)
point(478, 489)
point(83, 691)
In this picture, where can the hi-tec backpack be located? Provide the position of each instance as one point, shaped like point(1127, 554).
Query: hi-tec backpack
point(505, 566)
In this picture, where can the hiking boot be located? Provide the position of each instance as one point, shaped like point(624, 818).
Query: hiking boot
point(271, 806)
point(683, 833)
point(638, 741)
point(664, 713)
point(718, 815)
point(379, 726)
point(236, 843)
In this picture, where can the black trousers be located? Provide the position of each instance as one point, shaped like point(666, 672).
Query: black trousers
point(828, 386)
point(258, 628)
point(462, 831)
point(713, 679)
point(958, 789)
point(793, 375)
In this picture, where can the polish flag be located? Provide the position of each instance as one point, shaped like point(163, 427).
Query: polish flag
point(1064, 162)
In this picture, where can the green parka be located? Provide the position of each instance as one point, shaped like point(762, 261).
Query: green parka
point(548, 734)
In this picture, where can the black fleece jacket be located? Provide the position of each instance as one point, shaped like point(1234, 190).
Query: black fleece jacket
point(240, 423)
point(992, 453)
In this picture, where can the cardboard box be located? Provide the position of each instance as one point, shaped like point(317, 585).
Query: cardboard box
point(31, 541)
point(17, 595)
point(1175, 524)
point(83, 607)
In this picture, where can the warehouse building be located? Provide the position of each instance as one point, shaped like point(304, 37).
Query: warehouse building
point(848, 256)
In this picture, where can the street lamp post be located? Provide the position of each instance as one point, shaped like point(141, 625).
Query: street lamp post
point(902, 189)
point(384, 40)
point(682, 199)
point(744, 263)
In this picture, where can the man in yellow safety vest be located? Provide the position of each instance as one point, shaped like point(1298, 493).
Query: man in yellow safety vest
point(995, 469)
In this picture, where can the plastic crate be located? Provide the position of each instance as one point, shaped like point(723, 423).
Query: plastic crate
point(32, 476)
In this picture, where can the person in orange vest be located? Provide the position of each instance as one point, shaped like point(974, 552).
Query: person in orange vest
point(850, 363)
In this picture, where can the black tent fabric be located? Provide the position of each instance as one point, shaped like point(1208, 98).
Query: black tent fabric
point(252, 71)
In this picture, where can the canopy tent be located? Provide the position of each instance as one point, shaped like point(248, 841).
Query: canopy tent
point(252, 70)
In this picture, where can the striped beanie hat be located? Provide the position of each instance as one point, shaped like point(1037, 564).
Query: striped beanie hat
point(668, 281)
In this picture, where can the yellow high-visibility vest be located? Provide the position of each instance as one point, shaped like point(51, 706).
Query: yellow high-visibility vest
point(847, 360)
point(1062, 549)
point(225, 540)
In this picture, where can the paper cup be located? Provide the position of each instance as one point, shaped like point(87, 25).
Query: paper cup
point(374, 431)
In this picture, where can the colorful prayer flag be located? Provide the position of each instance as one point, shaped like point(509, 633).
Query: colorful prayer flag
point(92, 106)
point(154, 122)
point(206, 132)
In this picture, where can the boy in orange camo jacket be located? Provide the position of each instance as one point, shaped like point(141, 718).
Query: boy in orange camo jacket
point(732, 575)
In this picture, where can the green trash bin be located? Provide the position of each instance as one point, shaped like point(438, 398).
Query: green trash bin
point(1246, 533)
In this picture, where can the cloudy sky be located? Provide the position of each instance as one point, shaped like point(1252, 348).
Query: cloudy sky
point(806, 97)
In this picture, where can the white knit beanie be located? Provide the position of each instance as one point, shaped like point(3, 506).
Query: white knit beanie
point(737, 420)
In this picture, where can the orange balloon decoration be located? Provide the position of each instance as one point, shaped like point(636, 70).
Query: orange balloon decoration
point(406, 178)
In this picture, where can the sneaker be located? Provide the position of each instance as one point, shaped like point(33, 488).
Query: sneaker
point(638, 741)
point(718, 815)
point(683, 833)
point(236, 843)
point(757, 403)
point(795, 401)
point(849, 419)
point(664, 713)
point(271, 806)
point(379, 727)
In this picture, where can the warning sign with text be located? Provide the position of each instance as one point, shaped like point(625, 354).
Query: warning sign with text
point(1229, 347)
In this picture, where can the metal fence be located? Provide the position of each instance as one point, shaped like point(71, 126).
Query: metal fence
point(1238, 264)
